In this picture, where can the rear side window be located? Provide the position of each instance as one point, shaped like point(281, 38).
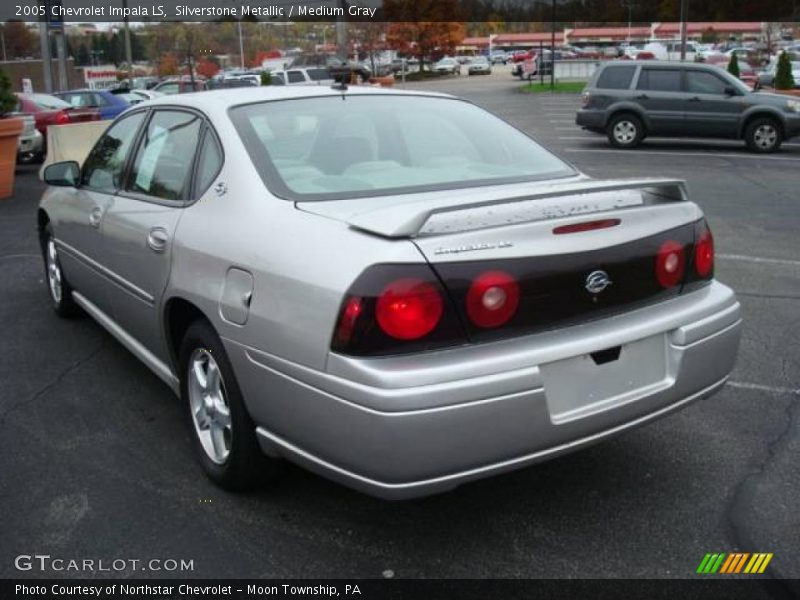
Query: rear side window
point(319, 74)
point(296, 77)
point(660, 80)
point(616, 78)
point(210, 163)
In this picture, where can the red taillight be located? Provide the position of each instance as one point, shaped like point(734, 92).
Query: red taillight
point(704, 254)
point(62, 118)
point(492, 299)
point(670, 264)
point(347, 321)
point(408, 309)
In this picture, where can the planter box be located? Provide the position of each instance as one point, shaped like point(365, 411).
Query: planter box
point(10, 129)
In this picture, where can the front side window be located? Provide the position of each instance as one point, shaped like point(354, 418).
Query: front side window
point(700, 82)
point(102, 170)
point(660, 80)
point(164, 158)
point(334, 147)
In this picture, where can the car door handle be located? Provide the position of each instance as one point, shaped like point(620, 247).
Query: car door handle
point(643, 97)
point(157, 239)
point(96, 216)
point(694, 99)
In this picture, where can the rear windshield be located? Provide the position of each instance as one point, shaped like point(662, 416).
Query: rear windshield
point(616, 78)
point(334, 147)
point(48, 102)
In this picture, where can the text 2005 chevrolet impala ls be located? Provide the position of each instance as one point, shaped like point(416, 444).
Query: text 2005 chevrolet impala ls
point(398, 291)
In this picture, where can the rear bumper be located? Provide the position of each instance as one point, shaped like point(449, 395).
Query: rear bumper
point(405, 427)
point(590, 119)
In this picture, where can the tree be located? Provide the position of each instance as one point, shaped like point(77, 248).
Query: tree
point(709, 36)
point(266, 78)
point(8, 101)
point(207, 68)
point(421, 27)
point(82, 58)
point(168, 65)
point(784, 80)
point(733, 65)
point(20, 41)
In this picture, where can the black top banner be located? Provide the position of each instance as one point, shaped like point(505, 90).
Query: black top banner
point(563, 11)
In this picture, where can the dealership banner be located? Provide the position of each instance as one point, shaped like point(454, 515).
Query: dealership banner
point(563, 11)
point(398, 589)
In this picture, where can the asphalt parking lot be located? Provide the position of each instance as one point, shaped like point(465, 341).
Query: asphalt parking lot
point(96, 462)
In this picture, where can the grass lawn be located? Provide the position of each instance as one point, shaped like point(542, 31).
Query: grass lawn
point(561, 87)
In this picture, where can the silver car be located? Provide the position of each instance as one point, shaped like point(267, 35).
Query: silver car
point(396, 290)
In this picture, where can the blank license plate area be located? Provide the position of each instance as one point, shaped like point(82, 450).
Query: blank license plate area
point(578, 387)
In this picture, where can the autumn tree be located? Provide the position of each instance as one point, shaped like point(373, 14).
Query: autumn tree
point(370, 38)
point(206, 67)
point(167, 65)
point(421, 27)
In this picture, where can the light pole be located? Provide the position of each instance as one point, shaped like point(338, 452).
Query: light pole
point(241, 45)
point(684, 11)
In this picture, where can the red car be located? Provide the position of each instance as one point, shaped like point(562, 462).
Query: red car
point(48, 110)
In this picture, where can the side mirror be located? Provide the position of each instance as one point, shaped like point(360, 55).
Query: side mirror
point(65, 174)
point(730, 91)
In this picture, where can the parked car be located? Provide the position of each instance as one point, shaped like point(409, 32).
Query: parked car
point(180, 86)
point(48, 110)
point(31, 141)
point(479, 66)
point(399, 291)
point(232, 82)
point(498, 57)
point(303, 76)
point(108, 103)
point(448, 65)
point(635, 99)
point(146, 94)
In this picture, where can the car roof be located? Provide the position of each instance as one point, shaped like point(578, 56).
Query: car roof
point(660, 63)
point(221, 100)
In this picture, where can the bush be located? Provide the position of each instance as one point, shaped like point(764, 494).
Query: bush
point(784, 80)
point(8, 101)
point(266, 78)
point(733, 65)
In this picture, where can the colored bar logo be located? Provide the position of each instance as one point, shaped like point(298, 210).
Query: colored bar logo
point(734, 563)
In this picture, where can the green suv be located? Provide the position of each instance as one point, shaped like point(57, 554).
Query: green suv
point(634, 99)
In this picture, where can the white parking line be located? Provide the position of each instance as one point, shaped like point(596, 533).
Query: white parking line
point(759, 260)
point(667, 153)
point(762, 388)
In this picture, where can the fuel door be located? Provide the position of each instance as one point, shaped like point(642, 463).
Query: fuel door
point(237, 293)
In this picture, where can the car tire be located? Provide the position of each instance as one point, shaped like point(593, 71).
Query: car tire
point(223, 433)
point(763, 135)
point(625, 131)
point(58, 287)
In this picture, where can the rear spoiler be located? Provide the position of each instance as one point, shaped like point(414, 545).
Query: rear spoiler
point(409, 219)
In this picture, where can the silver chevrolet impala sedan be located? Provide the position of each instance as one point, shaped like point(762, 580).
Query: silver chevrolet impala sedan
point(398, 291)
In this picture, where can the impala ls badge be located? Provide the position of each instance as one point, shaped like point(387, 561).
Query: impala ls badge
point(597, 281)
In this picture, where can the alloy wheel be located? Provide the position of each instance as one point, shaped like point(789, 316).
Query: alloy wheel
point(54, 278)
point(211, 413)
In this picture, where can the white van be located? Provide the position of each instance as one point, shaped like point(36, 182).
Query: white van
point(670, 49)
